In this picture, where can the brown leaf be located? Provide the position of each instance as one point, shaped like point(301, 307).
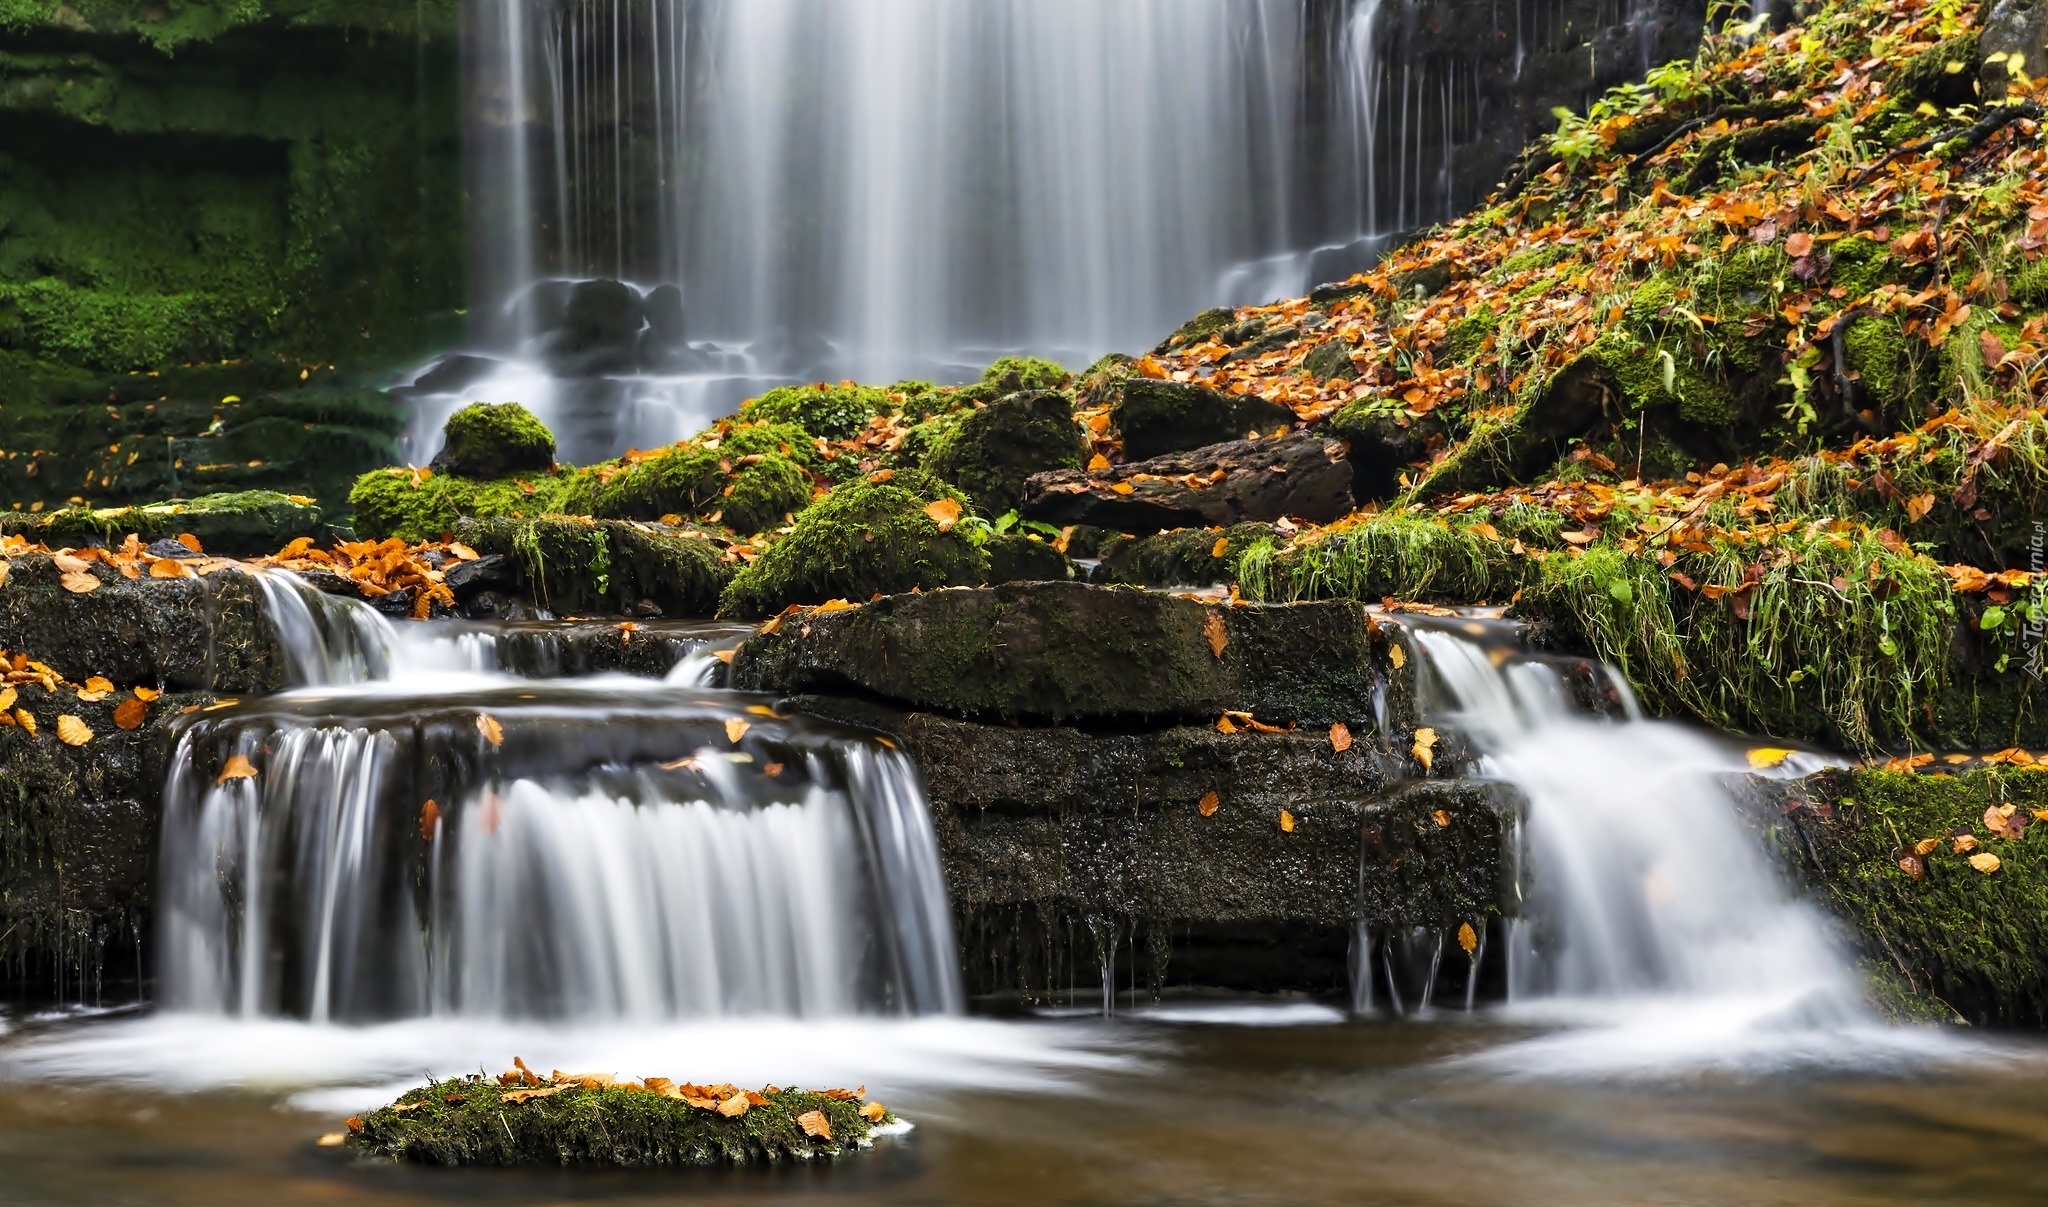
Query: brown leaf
point(147, 693)
point(1965, 843)
point(169, 567)
point(1799, 244)
point(430, 820)
point(1286, 822)
point(1918, 506)
point(238, 768)
point(1914, 866)
point(488, 726)
point(1340, 737)
point(1985, 862)
point(735, 729)
point(1424, 749)
point(190, 542)
point(130, 713)
point(79, 582)
point(1212, 629)
point(1210, 803)
point(1441, 818)
point(874, 1112)
point(1468, 938)
point(1926, 846)
point(73, 731)
point(772, 770)
point(945, 513)
point(26, 720)
point(814, 1123)
point(735, 1106)
point(1225, 725)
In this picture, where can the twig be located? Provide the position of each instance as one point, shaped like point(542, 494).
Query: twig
point(1664, 144)
point(1984, 127)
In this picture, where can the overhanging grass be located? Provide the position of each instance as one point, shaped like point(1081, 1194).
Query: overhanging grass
point(1402, 554)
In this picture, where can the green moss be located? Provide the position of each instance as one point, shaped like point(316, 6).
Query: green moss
point(573, 565)
point(1859, 264)
point(245, 524)
point(470, 1122)
point(862, 539)
point(1198, 328)
point(485, 441)
point(1976, 942)
point(1886, 360)
point(414, 507)
point(1183, 557)
point(1530, 261)
point(989, 452)
point(1019, 557)
point(1397, 554)
point(2029, 285)
point(1013, 373)
point(833, 412)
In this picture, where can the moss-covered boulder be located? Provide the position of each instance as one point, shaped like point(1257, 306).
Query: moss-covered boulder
point(1300, 475)
point(990, 452)
point(865, 538)
point(1023, 557)
point(591, 1120)
point(1183, 557)
point(1160, 417)
point(487, 441)
point(833, 412)
point(420, 505)
point(574, 565)
point(246, 524)
point(1063, 652)
point(1892, 854)
point(745, 491)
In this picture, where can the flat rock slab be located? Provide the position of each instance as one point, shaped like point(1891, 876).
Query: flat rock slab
point(1302, 476)
point(1071, 653)
point(205, 633)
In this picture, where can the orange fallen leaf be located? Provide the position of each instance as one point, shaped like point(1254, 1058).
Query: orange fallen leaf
point(488, 726)
point(73, 731)
point(735, 729)
point(1926, 846)
point(1212, 629)
point(147, 693)
point(1918, 506)
point(430, 820)
point(814, 1123)
point(1768, 756)
point(23, 718)
point(79, 582)
point(1441, 818)
point(945, 513)
point(169, 567)
point(1985, 862)
point(1340, 737)
point(1209, 804)
point(874, 1112)
point(1226, 725)
point(735, 1106)
point(1468, 938)
point(1098, 463)
point(1286, 822)
point(130, 713)
point(1965, 843)
point(1397, 655)
point(1221, 547)
point(238, 767)
point(1123, 488)
point(332, 1140)
point(1424, 749)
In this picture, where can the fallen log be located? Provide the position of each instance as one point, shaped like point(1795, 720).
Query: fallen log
point(1301, 476)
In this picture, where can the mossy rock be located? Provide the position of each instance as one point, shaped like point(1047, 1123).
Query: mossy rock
point(1975, 942)
point(573, 565)
point(1199, 328)
point(862, 539)
point(422, 507)
point(1944, 76)
point(244, 524)
point(1888, 362)
point(1102, 383)
point(1161, 417)
point(833, 412)
point(1012, 374)
point(473, 1121)
point(1330, 361)
point(1183, 557)
point(991, 451)
point(486, 441)
point(761, 491)
point(1015, 557)
point(1063, 652)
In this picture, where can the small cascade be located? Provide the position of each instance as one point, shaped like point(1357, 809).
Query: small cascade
point(583, 850)
point(1639, 879)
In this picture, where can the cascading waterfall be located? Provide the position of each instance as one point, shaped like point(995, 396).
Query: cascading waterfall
point(445, 840)
point(878, 189)
point(1641, 880)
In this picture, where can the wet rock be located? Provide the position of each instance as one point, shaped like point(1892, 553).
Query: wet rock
point(1065, 652)
point(491, 572)
point(245, 524)
point(1185, 557)
point(1385, 440)
point(1302, 476)
point(2015, 31)
point(1160, 417)
point(488, 441)
point(598, 328)
point(1198, 329)
point(576, 566)
point(450, 374)
point(991, 452)
point(207, 633)
point(1014, 558)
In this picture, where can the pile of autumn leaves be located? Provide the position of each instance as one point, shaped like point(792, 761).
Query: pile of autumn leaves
point(22, 671)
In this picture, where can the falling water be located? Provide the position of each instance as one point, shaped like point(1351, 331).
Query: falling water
point(878, 189)
point(1643, 884)
point(417, 834)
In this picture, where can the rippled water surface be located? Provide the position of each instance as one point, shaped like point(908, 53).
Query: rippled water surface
point(1305, 1109)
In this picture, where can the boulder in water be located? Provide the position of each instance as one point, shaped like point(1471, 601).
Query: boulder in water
point(991, 452)
point(1066, 652)
point(488, 441)
point(1160, 417)
point(598, 329)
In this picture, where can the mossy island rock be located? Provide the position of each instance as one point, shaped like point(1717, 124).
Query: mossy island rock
point(599, 1120)
point(871, 537)
point(1161, 417)
point(1065, 652)
point(246, 523)
point(833, 412)
point(487, 441)
point(992, 451)
point(575, 565)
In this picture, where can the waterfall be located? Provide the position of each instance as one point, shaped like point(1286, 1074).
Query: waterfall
point(1643, 885)
point(415, 833)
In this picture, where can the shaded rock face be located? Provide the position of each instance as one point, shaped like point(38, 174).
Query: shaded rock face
point(2014, 29)
point(182, 634)
point(1065, 652)
point(1070, 854)
point(995, 449)
point(571, 565)
point(1160, 417)
point(1299, 476)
